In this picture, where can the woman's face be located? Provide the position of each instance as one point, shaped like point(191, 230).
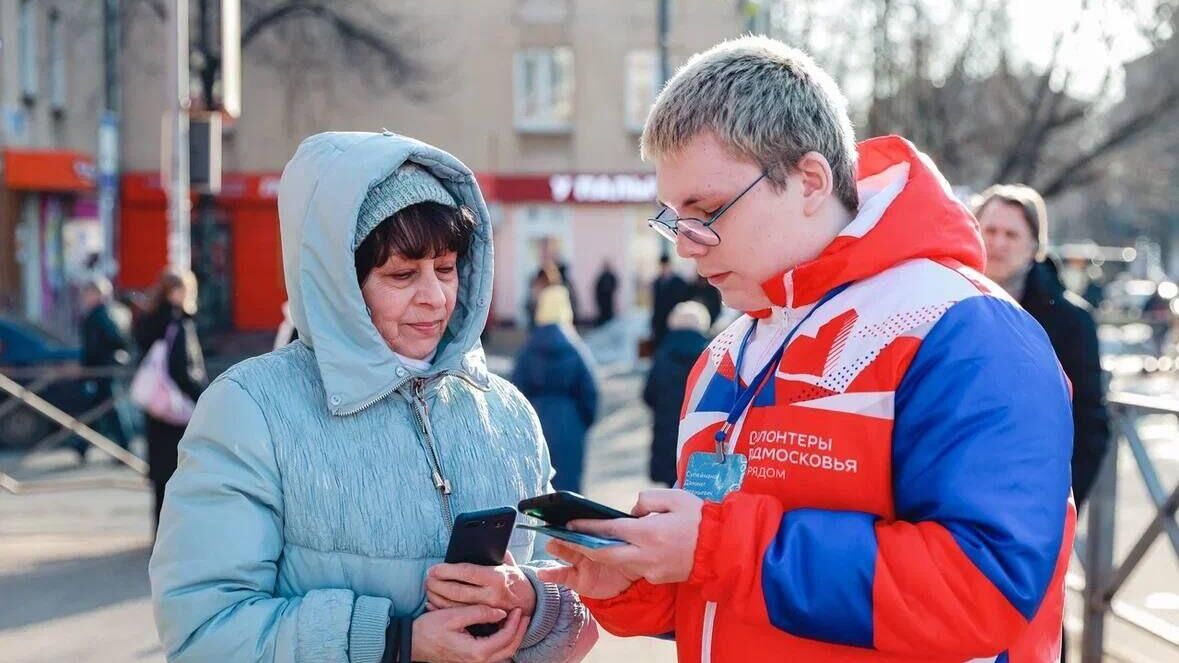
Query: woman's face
point(411, 301)
point(177, 295)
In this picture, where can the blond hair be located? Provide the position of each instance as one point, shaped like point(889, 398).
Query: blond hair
point(1030, 203)
point(689, 315)
point(553, 306)
point(767, 102)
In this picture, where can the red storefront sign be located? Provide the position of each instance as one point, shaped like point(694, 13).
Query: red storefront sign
point(249, 202)
point(580, 188)
point(48, 170)
point(235, 188)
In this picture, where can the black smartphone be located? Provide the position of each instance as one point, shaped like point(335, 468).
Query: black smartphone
point(481, 537)
point(562, 506)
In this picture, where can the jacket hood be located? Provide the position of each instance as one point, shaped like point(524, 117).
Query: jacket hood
point(319, 200)
point(553, 338)
point(907, 211)
point(684, 344)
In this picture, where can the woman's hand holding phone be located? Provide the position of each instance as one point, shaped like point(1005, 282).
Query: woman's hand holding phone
point(504, 587)
point(441, 636)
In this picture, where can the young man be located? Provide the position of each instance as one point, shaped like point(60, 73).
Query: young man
point(874, 460)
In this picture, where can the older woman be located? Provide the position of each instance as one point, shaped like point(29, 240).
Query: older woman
point(318, 484)
point(554, 371)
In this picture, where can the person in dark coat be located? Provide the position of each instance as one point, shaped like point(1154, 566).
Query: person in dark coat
point(664, 391)
point(1156, 312)
point(553, 371)
point(173, 308)
point(710, 297)
point(604, 289)
point(667, 290)
point(1014, 225)
point(106, 344)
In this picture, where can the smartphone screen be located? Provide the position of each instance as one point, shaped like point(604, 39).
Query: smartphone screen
point(580, 538)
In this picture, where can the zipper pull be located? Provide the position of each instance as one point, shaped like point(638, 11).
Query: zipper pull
point(419, 392)
point(441, 483)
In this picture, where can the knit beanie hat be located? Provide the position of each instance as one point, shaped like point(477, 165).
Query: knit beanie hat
point(689, 315)
point(408, 185)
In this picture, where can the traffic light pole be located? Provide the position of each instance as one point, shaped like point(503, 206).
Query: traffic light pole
point(179, 202)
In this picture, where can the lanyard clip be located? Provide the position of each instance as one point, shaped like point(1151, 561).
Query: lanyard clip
point(721, 436)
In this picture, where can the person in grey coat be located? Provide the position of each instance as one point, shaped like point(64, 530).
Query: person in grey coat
point(318, 484)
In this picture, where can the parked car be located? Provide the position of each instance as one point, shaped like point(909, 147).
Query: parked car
point(25, 346)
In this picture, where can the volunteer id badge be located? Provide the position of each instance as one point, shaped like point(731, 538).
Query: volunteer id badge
point(710, 479)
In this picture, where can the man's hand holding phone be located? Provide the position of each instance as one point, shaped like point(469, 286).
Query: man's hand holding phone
point(660, 546)
point(585, 576)
point(560, 508)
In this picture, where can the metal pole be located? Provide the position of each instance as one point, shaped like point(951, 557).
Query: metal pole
point(661, 20)
point(108, 134)
point(180, 205)
point(661, 42)
point(1099, 549)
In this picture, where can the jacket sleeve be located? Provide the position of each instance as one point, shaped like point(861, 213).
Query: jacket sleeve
point(981, 442)
point(108, 340)
point(521, 376)
point(643, 609)
point(586, 397)
point(1082, 363)
point(651, 386)
point(214, 567)
point(186, 362)
point(561, 629)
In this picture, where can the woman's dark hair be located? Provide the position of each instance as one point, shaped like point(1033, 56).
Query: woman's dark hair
point(419, 231)
point(171, 280)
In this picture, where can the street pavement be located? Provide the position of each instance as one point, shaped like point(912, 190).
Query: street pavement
point(73, 565)
point(73, 583)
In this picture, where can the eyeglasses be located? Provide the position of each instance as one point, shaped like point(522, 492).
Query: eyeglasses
point(698, 231)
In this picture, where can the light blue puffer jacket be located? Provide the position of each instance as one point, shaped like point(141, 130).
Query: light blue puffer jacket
point(317, 483)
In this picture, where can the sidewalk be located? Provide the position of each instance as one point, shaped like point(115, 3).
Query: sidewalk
point(73, 581)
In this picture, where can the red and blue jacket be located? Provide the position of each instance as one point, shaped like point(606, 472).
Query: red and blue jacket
point(908, 490)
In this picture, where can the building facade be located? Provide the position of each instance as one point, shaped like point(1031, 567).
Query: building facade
point(544, 99)
point(49, 228)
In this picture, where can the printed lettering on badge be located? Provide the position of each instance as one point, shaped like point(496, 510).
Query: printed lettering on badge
point(710, 479)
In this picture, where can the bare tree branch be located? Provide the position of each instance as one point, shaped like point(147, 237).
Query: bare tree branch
point(157, 6)
point(1124, 133)
point(1018, 148)
point(352, 31)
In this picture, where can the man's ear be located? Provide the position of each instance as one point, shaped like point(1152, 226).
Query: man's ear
point(817, 181)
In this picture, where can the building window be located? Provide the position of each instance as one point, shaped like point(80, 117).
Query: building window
point(641, 87)
point(27, 44)
point(57, 64)
point(544, 90)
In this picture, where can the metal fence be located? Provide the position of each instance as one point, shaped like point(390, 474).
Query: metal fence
point(1104, 577)
point(25, 388)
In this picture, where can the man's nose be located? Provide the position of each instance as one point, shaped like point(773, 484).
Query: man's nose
point(686, 248)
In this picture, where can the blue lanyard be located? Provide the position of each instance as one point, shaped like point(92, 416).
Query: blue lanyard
point(745, 396)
